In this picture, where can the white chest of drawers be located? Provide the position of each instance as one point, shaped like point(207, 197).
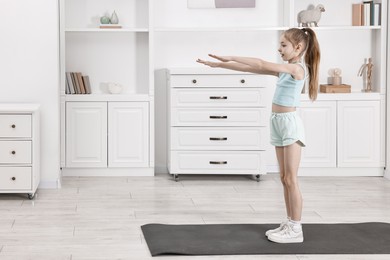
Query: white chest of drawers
point(19, 148)
point(217, 122)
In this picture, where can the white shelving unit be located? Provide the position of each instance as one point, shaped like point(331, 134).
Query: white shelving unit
point(256, 32)
point(158, 34)
point(123, 56)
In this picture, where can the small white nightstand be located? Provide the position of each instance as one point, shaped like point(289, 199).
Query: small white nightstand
point(19, 148)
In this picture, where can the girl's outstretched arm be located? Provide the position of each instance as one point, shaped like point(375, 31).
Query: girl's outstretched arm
point(238, 63)
point(254, 65)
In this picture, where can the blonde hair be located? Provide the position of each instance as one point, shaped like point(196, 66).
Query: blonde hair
point(312, 54)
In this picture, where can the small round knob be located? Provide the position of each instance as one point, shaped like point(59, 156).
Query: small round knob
point(13, 152)
point(194, 81)
point(13, 126)
point(243, 81)
point(13, 178)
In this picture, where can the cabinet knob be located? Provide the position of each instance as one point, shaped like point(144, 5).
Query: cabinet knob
point(13, 152)
point(194, 81)
point(13, 178)
point(243, 81)
point(13, 126)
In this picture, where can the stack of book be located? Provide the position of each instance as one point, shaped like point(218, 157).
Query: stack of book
point(76, 83)
point(367, 13)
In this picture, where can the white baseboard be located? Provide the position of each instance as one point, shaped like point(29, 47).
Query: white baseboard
point(358, 172)
point(50, 184)
point(387, 174)
point(160, 169)
point(107, 172)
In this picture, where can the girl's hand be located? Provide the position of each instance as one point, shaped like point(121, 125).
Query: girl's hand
point(221, 58)
point(208, 63)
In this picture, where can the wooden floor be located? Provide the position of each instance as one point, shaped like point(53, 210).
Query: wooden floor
point(99, 217)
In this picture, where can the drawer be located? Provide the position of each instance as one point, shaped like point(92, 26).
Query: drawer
point(219, 117)
point(234, 97)
point(15, 126)
point(13, 152)
point(211, 162)
point(15, 178)
point(224, 81)
point(218, 138)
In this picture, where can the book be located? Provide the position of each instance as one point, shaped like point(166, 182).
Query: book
point(357, 15)
point(110, 26)
point(377, 14)
point(87, 85)
point(368, 13)
point(66, 86)
point(80, 81)
point(70, 82)
point(75, 83)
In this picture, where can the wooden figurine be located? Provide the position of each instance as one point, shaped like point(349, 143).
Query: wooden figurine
point(367, 68)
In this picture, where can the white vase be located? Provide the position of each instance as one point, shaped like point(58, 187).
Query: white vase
point(114, 18)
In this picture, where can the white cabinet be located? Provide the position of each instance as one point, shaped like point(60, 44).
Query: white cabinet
point(86, 134)
point(319, 119)
point(342, 138)
point(128, 127)
point(359, 134)
point(19, 148)
point(217, 122)
point(107, 134)
point(113, 134)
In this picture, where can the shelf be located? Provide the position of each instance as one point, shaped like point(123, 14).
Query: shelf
point(107, 97)
point(260, 29)
point(218, 29)
point(124, 29)
point(354, 96)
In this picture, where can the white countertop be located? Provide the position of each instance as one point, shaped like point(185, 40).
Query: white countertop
point(19, 107)
point(343, 96)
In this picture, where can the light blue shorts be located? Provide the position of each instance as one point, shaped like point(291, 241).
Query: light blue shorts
point(286, 128)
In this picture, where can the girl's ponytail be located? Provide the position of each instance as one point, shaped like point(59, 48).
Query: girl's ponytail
point(312, 60)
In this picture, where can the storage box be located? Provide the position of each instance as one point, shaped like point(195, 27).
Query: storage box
point(343, 88)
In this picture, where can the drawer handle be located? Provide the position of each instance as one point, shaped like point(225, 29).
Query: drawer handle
point(194, 81)
point(243, 81)
point(13, 178)
point(216, 97)
point(13, 126)
point(13, 152)
point(218, 162)
point(218, 138)
point(218, 117)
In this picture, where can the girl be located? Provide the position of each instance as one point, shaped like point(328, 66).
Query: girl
point(287, 133)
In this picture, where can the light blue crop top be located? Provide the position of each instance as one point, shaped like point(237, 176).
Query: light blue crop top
point(288, 90)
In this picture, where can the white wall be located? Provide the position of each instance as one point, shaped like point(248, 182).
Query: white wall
point(29, 70)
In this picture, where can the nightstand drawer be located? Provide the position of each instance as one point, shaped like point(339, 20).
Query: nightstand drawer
point(15, 126)
point(12, 152)
point(219, 117)
point(234, 97)
point(15, 178)
point(211, 162)
point(207, 81)
point(218, 138)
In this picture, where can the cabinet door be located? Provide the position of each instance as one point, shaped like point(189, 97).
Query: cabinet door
point(128, 131)
point(358, 134)
point(86, 134)
point(319, 119)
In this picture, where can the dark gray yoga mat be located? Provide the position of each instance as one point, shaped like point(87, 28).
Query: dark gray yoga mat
point(247, 239)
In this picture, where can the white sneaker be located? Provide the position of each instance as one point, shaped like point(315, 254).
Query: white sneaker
point(287, 235)
point(278, 229)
